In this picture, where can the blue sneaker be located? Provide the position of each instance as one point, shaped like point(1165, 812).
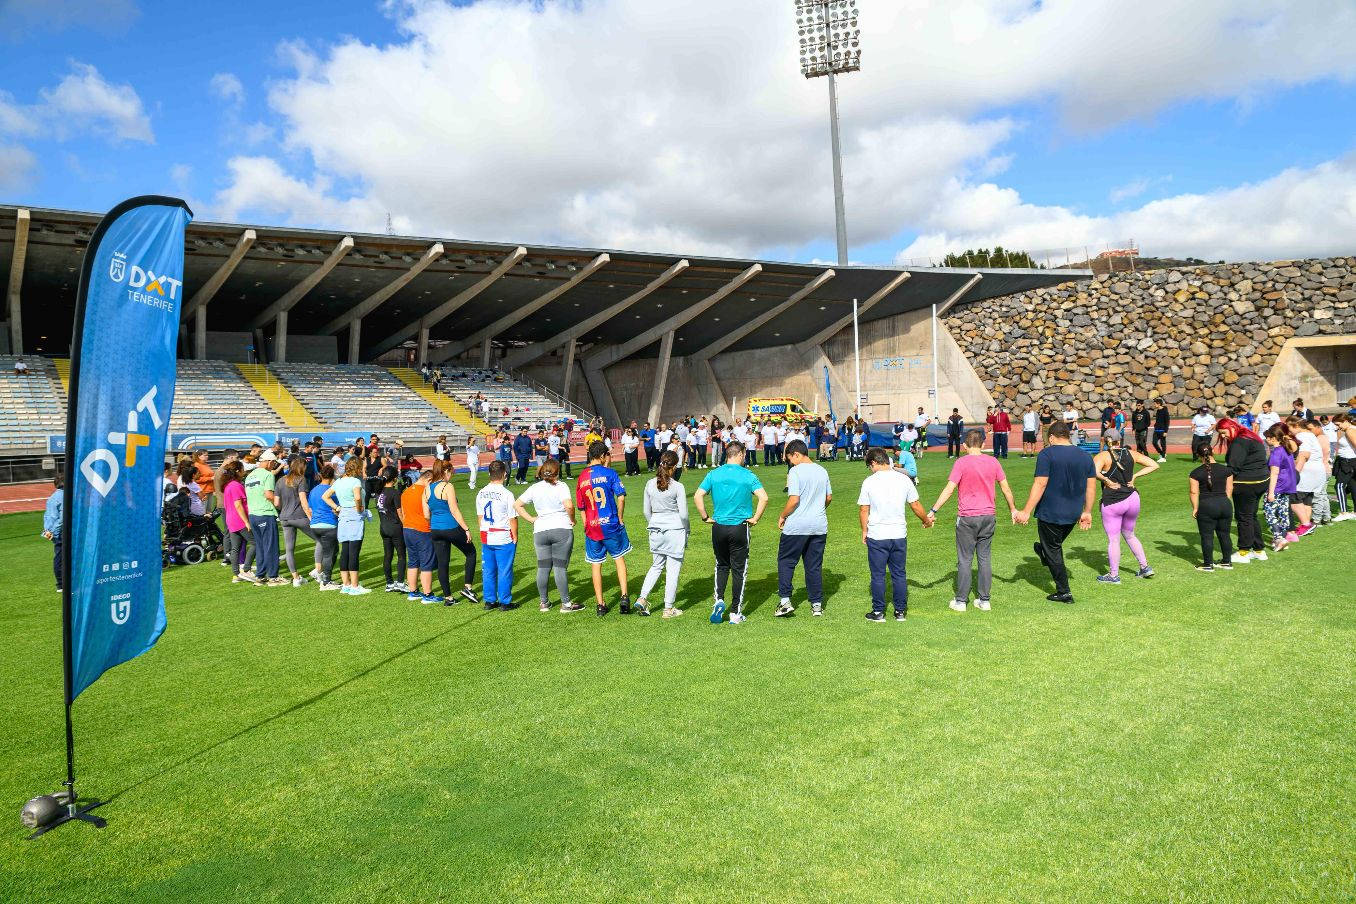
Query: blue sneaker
point(415, 597)
point(429, 599)
point(1108, 579)
point(718, 613)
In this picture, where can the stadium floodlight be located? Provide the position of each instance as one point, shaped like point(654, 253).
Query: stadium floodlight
point(830, 45)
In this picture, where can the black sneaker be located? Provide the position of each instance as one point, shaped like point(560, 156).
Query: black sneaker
point(875, 616)
point(468, 593)
point(490, 607)
point(602, 609)
point(900, 615)
point(625, 607)
point(1060, 598)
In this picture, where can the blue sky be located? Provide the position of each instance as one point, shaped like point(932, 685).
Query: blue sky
point(626, 123)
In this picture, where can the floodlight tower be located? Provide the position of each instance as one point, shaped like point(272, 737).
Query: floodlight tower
point(830, 46)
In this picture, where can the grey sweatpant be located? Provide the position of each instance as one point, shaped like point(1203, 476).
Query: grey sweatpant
point(974, 534)
point(553, 555)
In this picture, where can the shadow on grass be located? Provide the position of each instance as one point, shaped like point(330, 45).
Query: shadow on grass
point(1189, 550)
point(295, 707)
point(699, 592)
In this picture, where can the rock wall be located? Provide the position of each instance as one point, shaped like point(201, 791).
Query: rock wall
point(1204, 335)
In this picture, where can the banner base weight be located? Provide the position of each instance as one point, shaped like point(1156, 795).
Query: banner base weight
point(75, 814)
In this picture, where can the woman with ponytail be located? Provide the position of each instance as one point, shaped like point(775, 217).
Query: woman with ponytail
point(1212, 486)
point(666, 516)
point(1281, 485)
point(1246, 456)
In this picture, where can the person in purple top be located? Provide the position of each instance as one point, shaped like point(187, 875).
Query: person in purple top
point(1281, 485)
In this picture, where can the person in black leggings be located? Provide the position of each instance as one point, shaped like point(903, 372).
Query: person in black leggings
point(1246, 457)
point(449, 530)
point(1160, 441)
point(1211, 486)
point(392, 532)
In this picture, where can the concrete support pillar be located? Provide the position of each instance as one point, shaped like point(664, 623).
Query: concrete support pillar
point(16, 280)
point(280, 339)
point(355, 338)
point(486, 352)
point(421, 355)
point(661, 377)
point(567, 377)
point(602, 394)
point(708, 387)
point(200, 333)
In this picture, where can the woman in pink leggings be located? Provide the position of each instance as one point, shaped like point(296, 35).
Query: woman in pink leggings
point(1115, 467)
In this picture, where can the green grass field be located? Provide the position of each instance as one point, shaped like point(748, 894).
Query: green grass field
point(1184, 738)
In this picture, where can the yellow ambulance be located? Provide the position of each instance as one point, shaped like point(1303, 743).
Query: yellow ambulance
point(780, 407)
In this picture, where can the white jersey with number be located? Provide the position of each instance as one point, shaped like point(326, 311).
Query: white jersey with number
point(494, 511)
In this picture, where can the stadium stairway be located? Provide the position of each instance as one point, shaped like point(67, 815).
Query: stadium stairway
point(63, 369)
point(283, 403)
point(444, 403)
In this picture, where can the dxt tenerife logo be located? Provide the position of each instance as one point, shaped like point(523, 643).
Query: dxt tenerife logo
point(144, 286)
point(101, 467)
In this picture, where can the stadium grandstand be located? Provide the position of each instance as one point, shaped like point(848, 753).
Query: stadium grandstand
point(294, 330)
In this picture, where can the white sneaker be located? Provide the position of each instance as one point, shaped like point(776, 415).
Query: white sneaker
point(1242, 558)
point(736, 618)
point(358, 591)
point(1344, 516)
point(1161, 459)
point(329, 585)
point(957, 605)
point(314, 574)
point(1259, 555)
point(982, 605)
point(298, 580)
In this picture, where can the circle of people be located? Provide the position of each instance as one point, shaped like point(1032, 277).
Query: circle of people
point(1282, 465)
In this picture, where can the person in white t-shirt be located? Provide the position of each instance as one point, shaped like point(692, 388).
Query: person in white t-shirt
point(552, 532)
point(882, 505)
point(700, 437)
point(1202, 430)
point(1030, 431)
point(472, 461)
point(498, 537)
point(920, 426)
point(662, 437)
point(768, 433)
point(1267, 419)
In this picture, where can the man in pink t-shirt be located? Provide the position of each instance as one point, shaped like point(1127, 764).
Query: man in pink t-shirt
point(973, 478)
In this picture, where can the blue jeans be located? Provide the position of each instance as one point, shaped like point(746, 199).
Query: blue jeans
point(265, 531)
point(880, 556)
point(496, 567)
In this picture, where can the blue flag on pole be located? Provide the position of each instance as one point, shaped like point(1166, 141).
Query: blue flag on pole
point(122, 387)
point(828, 393)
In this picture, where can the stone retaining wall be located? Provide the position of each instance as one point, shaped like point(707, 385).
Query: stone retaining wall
point(1204, 335)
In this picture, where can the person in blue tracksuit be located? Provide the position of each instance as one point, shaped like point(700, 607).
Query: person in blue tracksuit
point(522, 451)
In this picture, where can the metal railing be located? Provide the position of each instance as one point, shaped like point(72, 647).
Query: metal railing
point(28, 468)
point(578, 411)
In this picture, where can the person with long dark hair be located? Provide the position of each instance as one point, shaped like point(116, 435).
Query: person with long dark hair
point(392, 532)
point(237, 516)
point(448, 529)
point(1281, 485)
point(668, 528)
point(1211, 486)
point(1246, 458)
point(325, 525)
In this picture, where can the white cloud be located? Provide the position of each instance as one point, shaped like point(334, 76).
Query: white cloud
point(227, 87)
point(1300, 211)
point(180, 174)
point(17, 166)
point(1132, 189)
point(84, 101)
point(631, 123)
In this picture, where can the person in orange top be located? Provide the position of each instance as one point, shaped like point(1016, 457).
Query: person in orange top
point(203, 476)
point(414, 519)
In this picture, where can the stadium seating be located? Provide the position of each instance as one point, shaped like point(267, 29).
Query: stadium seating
point(32, 407)
point(525, 405)
point(213, 397)
point(368, 398)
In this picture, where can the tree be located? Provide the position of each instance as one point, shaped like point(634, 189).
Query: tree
point(997, 258)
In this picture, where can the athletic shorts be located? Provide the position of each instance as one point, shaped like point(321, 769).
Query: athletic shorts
point(1028, 436)
point(1302, 498)
point(615, 545)
point(419, 549)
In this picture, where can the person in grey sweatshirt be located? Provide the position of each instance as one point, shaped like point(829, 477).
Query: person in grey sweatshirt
point(666, 515)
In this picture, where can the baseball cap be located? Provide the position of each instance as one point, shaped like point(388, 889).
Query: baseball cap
point(267, 455)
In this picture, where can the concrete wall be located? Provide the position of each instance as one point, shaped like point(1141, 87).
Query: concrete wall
point(1307, 368)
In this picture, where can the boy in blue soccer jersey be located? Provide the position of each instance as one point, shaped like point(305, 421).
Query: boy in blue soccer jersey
point(599, 494)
